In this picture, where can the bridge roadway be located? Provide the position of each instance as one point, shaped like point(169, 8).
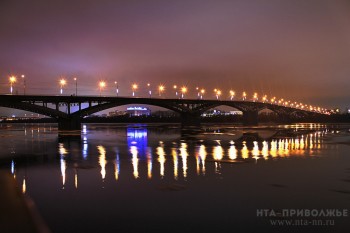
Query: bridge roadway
point(190, 110)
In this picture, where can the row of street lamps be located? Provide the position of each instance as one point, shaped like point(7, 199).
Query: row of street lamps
point(180, 92)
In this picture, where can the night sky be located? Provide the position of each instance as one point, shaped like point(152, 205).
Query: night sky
point(293, 49)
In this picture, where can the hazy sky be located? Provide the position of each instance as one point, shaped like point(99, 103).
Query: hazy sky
point(293, 49)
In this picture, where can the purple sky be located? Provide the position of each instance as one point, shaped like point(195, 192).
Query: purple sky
point(297, 50)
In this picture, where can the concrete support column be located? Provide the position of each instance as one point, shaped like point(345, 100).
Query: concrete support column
point(69, 124)
point(250, 117)
point(190, 119)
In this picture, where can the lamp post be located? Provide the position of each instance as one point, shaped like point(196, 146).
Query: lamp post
point(218, 93)
point(232, 93)
point(175, 88)
point(244, 95)
point(116, 88)
point(134, 88)
point(202, 93)
point(255, 97)
point(12, 80)
point(24, 84)
point(161, 88)
point(183, 92)
point(63, 82)
point(102, 84)
point(76, 86)
point(149, 90)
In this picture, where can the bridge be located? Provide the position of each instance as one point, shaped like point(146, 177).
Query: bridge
point(190, 110)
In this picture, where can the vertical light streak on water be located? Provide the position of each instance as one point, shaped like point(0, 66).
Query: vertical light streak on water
point(202, 155)
point(255, 151)
point(280, 148)
point(116, 167)
point(102, 161)
point(232, 151)
point(135, 161)
point(273, 149)
point(302, 143)
point(175, 161)
point(184, 154)
point(76, 179)
point(245, 151)
point(149, 163)
point(62, 151)
point(85, 148)
point(12, 167)
point(265, 150)
point(24, 186)
point(161, 158)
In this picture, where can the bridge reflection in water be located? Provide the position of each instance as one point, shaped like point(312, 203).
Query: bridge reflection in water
point(177, 158)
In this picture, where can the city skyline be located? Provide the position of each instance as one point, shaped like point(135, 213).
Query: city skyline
point(293, 50)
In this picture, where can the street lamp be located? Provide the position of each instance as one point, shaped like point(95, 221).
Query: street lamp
point(24, 83)
point(232, 93)
point(134, 88)
point(202, 93)
point(116, 88)
point(198, 92)
point(218, 93)
point(255, 97)
point(175, 88)
point(264, 98)
point(244, 95)
point(149, 90)
point(183, 91)
point(76, 86)
point(102, 84)
point(12, 80)
point(161, 88)
point(63, 82)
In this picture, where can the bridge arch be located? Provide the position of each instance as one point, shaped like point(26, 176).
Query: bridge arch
point(35, 109)
point(104, 106)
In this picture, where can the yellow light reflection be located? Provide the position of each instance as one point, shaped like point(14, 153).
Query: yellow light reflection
point(232, 151)
point(135, 161)
point(265, 150)
point(24, 186)
point(175, 161)
point(202, 154)
point(116, 168)
point(273, 150)
point(245, 151)
point(184, 154)
point(102, 161)
point(161, 159)
point(76, 179)
point(149, 163)
point(218, 153)
point(255, 151)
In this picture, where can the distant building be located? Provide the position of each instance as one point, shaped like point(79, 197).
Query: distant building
point(138, 111)
point(116, 113)
point(216, 112)
point(165, 114)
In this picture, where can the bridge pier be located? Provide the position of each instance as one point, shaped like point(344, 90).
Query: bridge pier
point(69, 124)
point(250, 117)
point(190, 119)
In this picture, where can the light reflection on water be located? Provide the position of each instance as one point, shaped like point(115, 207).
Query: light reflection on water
point(133, 158)
point(184, 154)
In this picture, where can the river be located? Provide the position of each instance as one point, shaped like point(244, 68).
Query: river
point(162, 178)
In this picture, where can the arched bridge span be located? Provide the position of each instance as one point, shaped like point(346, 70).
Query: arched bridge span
point(189, 109)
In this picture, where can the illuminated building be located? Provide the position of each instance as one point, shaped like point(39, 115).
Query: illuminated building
point(138, 111)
